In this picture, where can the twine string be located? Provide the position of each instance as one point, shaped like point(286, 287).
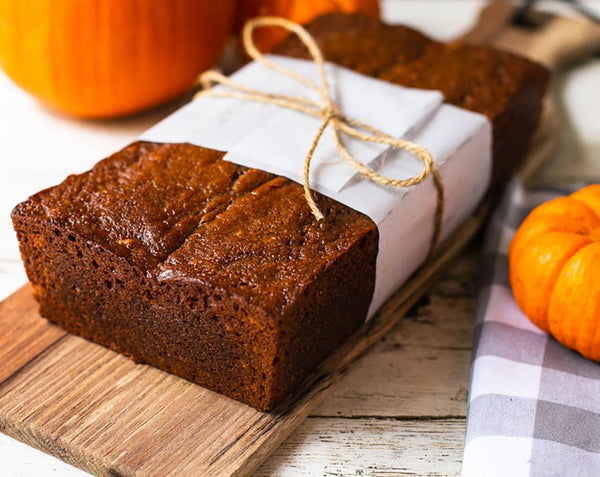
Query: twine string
point(329, 113)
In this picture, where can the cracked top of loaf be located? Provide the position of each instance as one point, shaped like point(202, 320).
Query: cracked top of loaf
point(179, 212)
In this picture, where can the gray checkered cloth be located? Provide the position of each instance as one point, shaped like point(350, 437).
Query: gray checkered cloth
point(534, 406)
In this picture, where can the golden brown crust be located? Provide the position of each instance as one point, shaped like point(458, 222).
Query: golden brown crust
point(219, 273)
point(203, 268)
point(506, 88)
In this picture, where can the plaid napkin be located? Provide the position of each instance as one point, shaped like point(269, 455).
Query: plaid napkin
point(534, 406)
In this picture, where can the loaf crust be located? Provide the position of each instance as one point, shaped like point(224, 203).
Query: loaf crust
point(506, 88)
point(206, 269)
point(219, 273)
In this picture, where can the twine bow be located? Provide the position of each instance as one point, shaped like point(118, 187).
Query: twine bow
point(329, 113)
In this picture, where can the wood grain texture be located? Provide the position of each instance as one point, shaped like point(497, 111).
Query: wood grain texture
point(420, 369)
point(370, 447)
point(384, 417)
point(23, 335)
point(103, 413)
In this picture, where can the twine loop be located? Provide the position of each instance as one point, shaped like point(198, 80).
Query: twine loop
point(328, 112)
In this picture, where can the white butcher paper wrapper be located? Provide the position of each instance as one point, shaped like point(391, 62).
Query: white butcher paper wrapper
point(276, 140)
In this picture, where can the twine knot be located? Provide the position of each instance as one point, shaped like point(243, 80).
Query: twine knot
point(330, 115)
point(331, 111)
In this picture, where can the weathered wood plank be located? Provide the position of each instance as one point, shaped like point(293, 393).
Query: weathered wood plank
point(101, 412)
point(369, 447)
point(420, 368)
point(23, 335)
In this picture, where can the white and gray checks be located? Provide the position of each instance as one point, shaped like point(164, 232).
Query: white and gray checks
point(534, 406)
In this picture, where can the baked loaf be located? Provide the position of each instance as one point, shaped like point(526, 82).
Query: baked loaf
point(506, 88)
point(205, 269)
point(219, 273)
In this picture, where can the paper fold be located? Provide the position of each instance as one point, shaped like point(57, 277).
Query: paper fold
point(270, 138)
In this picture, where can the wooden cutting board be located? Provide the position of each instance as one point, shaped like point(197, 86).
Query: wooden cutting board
point(101, 412)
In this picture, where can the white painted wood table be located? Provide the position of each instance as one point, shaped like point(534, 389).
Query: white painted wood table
point(401, 409)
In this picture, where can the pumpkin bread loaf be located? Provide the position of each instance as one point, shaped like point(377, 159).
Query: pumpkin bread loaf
point(208, 270)
point(219, 273)
point(504, 87)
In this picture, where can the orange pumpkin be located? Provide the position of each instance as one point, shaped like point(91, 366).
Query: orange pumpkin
point(554, 261)
point(300, 11)
point(102, 58)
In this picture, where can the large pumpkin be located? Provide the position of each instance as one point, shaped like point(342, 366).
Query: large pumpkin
point(554, 261)
point(101, 58)
point(299, 11)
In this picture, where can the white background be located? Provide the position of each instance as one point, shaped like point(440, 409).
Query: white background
point(40, 148)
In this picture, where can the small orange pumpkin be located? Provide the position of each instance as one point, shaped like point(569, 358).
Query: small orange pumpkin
point(299, 11)
point(554, 261)
point(103, 58)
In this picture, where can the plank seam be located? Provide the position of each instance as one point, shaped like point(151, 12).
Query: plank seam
point(448, 417)
point(32, 360)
